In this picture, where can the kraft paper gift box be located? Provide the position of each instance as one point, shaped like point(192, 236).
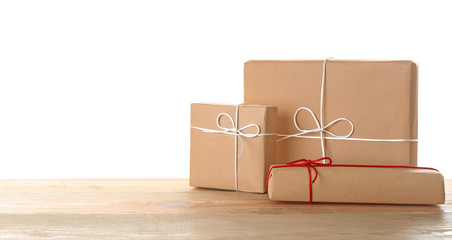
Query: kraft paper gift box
point(378, 97)
point(216, 146)
point(352, 184)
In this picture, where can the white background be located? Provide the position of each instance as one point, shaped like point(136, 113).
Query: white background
point(103, 88)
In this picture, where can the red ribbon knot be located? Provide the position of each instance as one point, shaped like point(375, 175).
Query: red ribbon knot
point(325, 161)
point(309, 164)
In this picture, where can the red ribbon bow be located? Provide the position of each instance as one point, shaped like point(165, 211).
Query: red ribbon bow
point(309, 164)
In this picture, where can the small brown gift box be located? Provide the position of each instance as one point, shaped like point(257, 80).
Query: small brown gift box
point(342, 184)
point(216, 145)
point(378, 97)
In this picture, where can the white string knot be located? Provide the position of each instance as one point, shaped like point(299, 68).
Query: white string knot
point(234, 130)
point(320, 128)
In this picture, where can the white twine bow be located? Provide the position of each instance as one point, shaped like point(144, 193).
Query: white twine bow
point(320, 128)
point(323, 129)
point(238, 135)
point(234, 130)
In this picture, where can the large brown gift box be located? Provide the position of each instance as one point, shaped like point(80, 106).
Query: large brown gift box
point(213, 148)
point(358, 185)
point(378, 97)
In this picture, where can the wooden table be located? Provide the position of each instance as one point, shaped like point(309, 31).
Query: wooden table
point(170, 209)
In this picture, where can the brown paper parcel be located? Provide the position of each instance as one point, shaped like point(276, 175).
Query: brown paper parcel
point(212, 155)
point(358, 185)
point(379, 97)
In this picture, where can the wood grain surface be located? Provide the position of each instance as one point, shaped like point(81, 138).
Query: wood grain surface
point(170, 209)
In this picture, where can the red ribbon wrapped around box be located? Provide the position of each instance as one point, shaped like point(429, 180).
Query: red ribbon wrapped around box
point(354, 183)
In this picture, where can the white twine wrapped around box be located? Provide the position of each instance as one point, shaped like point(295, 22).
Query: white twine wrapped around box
point(238, 134)
point(323, 129)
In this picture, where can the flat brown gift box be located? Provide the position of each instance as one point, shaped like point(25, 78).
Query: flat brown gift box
point(379, 97)
point(358, 185)
point(212, 161)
